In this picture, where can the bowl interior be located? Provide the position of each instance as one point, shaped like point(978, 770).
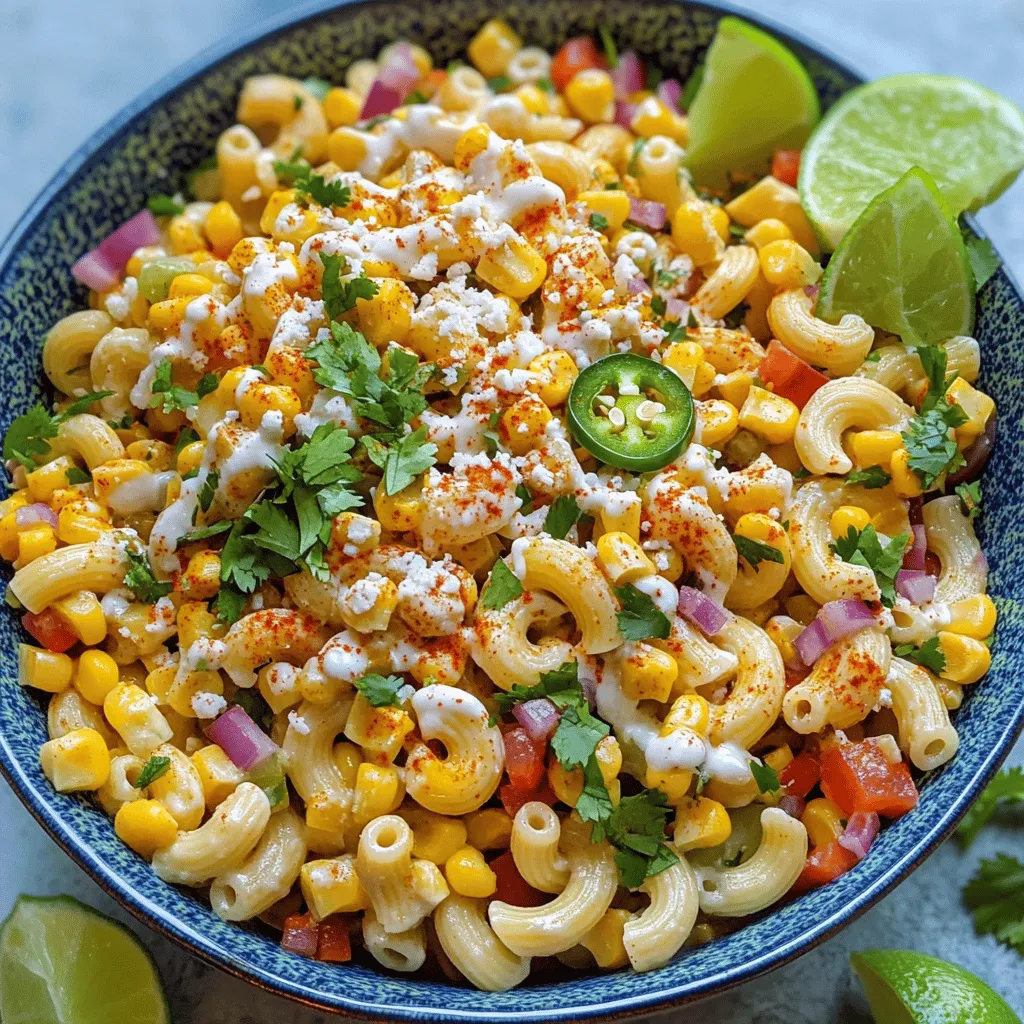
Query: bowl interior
point(149, 149)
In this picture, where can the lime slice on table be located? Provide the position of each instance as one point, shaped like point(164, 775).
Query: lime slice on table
point(904, 987)
point(969, 139)
point(62, 963)
point(755, 97)
point(903, 266)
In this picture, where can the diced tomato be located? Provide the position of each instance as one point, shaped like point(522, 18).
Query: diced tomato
point(932, 565)
point(576, 55)
point(800, 776)
point(790, 376)
point(50, 629)
point(524, 760)
point(334, 945)
point(786, 166)
point(512, 799)
point(301, 935)
point(858, 777)
point(824, 864)
point(512, 887)
point(435, 80)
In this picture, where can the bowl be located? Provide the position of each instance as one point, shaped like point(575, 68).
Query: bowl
point(148, 148)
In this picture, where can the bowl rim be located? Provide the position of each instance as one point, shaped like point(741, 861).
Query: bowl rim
point(166, 923)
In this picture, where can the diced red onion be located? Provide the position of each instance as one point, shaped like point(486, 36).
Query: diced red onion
point(916, 585)
point(793, 805)
point(27, 515)
point(980, 562)
point(812, 643)
point(102, 268)
point(381, 99)
point(539, 718)
point(670, 92)
point(624, 114)
point(303, 941)
point(710, 618)
point(647, 213)
point(835, 620)
point(913, 557)
point(95, 272)
point(627, 75)
point(860, 833)
point(676, 309)
point(637, 286)
point(400, 72)
point(812, 291)
point(241, 738)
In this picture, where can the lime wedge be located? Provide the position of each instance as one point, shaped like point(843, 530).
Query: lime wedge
point(904, 987)
point(970, 140)
point(755, 97)
point(903, 266)
point(62, 963)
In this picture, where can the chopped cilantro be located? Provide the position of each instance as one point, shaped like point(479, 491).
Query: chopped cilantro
point(524, 495)
point(297, 101)
point(637, 828)
point(737, 231)
point(983, 259)
point(874, 356)
point(228, 604)
point(185, 438)
point(403, 461)
point(634, 155)
point(416, 96)
point(152, 770)
point(928, 654)
point(170, 396)
point(545, 85)
point(658, 305)
point(598, 221)
point(317, 87)
point(311, 186)
point(970, 498)
point(666, 278)
point(341, 296)
point(164, 206)
point(208, 490)
point(930, 448)
point(652, 78)
point(563, 514)
point(503, 586)
point(76, 475)
point(865, 548)
point(996, 897)
point(594, 803)
point(639, 618)
point(872, 477)
point(139, 578)
point(611, 52)
point(754, 552)
point(30, 434)
point(204, 532)
point(577, 735)
point(765, 776)
point(380, 691)
point(499, 83)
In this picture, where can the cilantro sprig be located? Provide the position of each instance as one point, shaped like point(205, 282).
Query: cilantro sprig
point(380, 691)
point(563, 514)
point(996, 898)
point(864, 547)
point(156, 767)
point(139, 578)
point(765, 776)
point(341, 295)
point(30, 434)
point(1005, 789)
point(170, 396)
point(928, 654)
point(872, 477)
point(309, 185)
point(970, 498)
point(640, 619)
point(503, 586)
point(754, 552)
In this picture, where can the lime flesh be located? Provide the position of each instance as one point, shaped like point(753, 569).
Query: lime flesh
point(62, 963)
point(755, 98)
point(903, 266)
point(970, 140)
point(904, 987)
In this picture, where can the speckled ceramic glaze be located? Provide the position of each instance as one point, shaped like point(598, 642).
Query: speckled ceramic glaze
point(148, 149)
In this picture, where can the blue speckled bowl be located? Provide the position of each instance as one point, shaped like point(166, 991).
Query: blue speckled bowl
point(148, 148)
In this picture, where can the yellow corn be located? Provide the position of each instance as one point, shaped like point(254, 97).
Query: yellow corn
point(686, 358)
point(183, 235)
point(766, 231)
point(823, 820)
point(146, 826)
point(689, 711)
point(83, 613)
point(648, 674)
point(201, 580)
point(189, 286)
point(73, 527)
point(973, 616)
point(378, 790)
point(652, 117)
point(612, 204)
point(802, 608)
point(387, 315)
point(493, 47)
point(42, 482)
point(399, 512)
point(605, 940)
point(346, 147)
point(567, 785)
point(769, 416)
point(591, 96)
point(905, 481)
point(773, 198)
point(622, 558)
point(223, 228)
point(846, 516)
point(195, 622)
point(34, 542)
point(874, 447)
point(471, 143)
point(523, 424)
point(516, 269)
point(489, 829)
point(332, 887)
point(700, 824)
point(112, 474)
point(379, 731)
point(718, 420)
point(44, 670)
point(435, 837)
point(787, 264)
point(341, 106)
point(356, 616)
point(695, 234)
point(967, 659)
point(96, 675)
point(259, 399)
point(77, 761)
point(468, 873)
point(976, 405)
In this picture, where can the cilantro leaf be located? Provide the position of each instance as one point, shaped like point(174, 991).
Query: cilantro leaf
point(933, 362)
point(164, 206)
point(970, 498)
point(207, 491)
point(996, 896)
point(765, 776)
point(380, 691)
point(563, 514)
point(503, 586)
point(310, 185)
point(637, 827)
point(185, 438)
point(872, 477)
point(754, 552)
point(598, 221)
point(577, 735)
point(499, 83)
point(594, 803)
point(276, 532)
point(170, 396)
point(340, 296)
point(634, 154)
point(80, 405)
point(77, 476)
point(339, 356)
point(29, 435)
point(611, 52)
point(930, 448)
point(561, 686)
point(403, 461)
point(228, 604)
point(139, 578)
point(639, 618)
point(1006, 788)
point(928, 654)
point(204, 532)
point(324, 453)
point(524, 495)
point(983, 259)
point(152, 770)
point(865, 548)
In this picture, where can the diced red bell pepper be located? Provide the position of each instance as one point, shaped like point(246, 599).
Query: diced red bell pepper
point(789, 375)
point(512, 799)
point(800, 776)
point(576, 55)
point(51, 630)
point(301, 935)
point(524, 760)
point(334, 946)
point(786, 166)
point(824, 864)
point(512, 887)
point(858, 777)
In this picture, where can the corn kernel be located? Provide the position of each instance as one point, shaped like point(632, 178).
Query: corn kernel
point(695, 234)
point(612, 204)
point(786, 264)
point(973, 616)
point(556, 371)
point(648, 674)
point(83, 613)
point(342, 106)
point(189, 285)
point(379, 731)
point(96, 674)
point(42, 482)
point(44, 670)
point(223, 228)
point(773, 198)
point(146, 826)
point(399, 512)
point(523, 424)
point(468, 873)
point(769, 416)
point(873, 447)
point(258, 399)
point(700, 824)
point(905, 481)
point(378, 790)
point(34, 542)
point(766, 231)
point(201, 580)
point(568, 784)
point(79, 760)
point(386, 316)
point(346, 147)
point(332, 887)
point(626, 520)
point(824, 821)
point(471, 143)
point(846, 516)
point(718, 421)
point(435, 837)
point(802, 608)
point(515, 268)
point(591, 96)
point(686, 359)
point(605, 940)
point(689, 711)
point(196, 622)
point(489, 829)
point(967, 659)
point(653, 117)
point(108, 477)
point(720, 219)
point(493, 47)
point(622, 558)
point(976, 405)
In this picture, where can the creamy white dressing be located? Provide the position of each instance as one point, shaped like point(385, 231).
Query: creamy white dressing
point(144, 493)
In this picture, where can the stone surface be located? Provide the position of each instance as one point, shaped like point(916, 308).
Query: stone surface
point(69, 66)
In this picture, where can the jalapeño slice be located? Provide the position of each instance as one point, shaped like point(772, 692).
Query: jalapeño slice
point(631, 412)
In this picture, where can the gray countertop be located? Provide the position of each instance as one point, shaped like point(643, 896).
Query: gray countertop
point(69, 66)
